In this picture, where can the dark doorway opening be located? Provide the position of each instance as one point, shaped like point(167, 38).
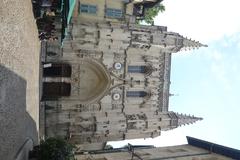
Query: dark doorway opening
point(58, 70)
point(56, 89)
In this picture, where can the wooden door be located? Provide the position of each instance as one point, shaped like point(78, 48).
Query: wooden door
point(56, 89)
point(58, 70)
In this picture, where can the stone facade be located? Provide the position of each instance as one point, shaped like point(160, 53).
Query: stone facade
point(181, 152)
point(110, 81)
point(196, 149)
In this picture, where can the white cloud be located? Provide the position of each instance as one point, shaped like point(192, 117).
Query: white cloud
point(230, 41)
point(219, 72)
point(208, 21)
point(225, 66)
point(168, 138)
point(202, 20)
point(238, 44)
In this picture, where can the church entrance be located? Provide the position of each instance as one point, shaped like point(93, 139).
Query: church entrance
point(54, 87)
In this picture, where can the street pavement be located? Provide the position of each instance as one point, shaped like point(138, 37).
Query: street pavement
point(19, 77)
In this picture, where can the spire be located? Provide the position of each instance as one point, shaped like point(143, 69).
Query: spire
point(191, 44)
point(186, 119)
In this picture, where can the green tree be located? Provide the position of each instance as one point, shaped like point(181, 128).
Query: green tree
point(53, 149)
point(151, 13)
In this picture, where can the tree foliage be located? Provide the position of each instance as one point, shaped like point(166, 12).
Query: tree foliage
point(151, 13)
point(54, 149)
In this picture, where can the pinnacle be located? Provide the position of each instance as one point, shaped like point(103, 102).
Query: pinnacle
point(184, 119)
point(192, 44)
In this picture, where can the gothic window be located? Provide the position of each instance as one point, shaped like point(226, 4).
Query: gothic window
point(57, 70)
point(136, 69)
point(86, 8)
point(136, 93)
point(114, 13)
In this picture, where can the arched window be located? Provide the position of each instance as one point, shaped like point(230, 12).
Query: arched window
point(137, 69)
point(136, 93)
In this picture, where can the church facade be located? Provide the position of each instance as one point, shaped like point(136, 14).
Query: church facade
point(110, 81)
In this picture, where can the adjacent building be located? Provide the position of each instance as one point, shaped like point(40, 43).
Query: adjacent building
point(196, 149)
point(110, 79)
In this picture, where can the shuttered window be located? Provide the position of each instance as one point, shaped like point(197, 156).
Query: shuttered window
point(114, 13)
point(85, 8)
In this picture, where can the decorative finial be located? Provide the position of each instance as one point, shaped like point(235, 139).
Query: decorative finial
point(187, 119)
point(172, 94)
point(189, 44)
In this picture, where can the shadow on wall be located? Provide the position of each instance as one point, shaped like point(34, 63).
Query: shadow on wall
point(16, 125)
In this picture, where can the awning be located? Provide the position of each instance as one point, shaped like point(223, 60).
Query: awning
point(71, 9)
point(67, 11)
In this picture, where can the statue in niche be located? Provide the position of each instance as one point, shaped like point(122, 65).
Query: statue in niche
point(131, 117)
point(141, 116)
point(81, 119)
point(132, 125)
point(141, 46)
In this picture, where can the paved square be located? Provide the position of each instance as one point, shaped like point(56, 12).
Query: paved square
point(19, 76)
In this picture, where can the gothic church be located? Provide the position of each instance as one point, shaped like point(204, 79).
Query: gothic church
point(110, 79)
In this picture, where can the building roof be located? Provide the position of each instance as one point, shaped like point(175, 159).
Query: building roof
point(122, 149)
point(150, 4)
point(215, 148)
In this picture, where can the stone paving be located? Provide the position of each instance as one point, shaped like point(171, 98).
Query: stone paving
point(19, 76)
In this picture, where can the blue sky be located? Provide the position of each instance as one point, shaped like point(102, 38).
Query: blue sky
point(206, 80)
